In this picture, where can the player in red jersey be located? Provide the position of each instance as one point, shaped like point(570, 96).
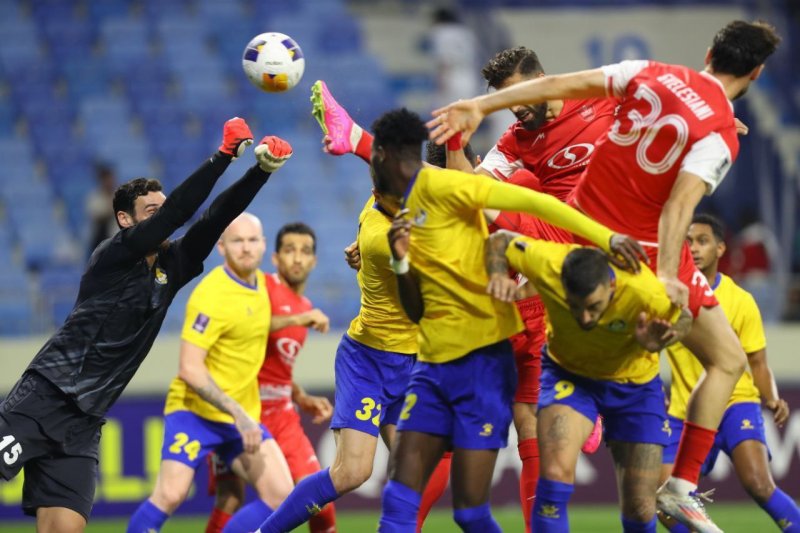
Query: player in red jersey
point(673, 141)
point(547, 149)
point(292, 314)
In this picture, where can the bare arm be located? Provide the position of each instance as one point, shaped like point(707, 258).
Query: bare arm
point(317, 406)
point(765, 383)
point(466, 115)
point(500, 286)
point(676, 216)
point(310, 319)
point(407, 286)
point(193, 371)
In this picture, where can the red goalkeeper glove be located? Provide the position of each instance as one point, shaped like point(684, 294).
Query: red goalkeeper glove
point(272, 153)
point(236, 136)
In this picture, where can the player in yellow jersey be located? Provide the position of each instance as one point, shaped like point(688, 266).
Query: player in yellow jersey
point(463, 382)
point(373, 365)
point(605, 327)
point(741, 432)
point(213, 403)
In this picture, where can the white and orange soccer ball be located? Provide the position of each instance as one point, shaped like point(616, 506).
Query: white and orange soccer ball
point(274, 62)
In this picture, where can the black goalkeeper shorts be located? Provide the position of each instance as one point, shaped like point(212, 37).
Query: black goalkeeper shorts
point(42, 431)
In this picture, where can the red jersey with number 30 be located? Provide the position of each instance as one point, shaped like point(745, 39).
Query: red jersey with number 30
point(283, 345)
point(671, 119)
point(556, 152)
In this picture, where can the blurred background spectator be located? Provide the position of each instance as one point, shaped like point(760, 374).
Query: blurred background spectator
point(99, 209)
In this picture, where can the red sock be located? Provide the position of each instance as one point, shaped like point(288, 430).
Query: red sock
point(364, 147)
point(696, 442)
point(217, 521)
point(435, 488)
point(324, 521)
point(529, 453)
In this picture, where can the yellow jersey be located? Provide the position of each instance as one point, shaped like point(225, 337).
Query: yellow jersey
point(446, 254)
point(381, 323)
point(742, 312)
point(230, 320)
point(609, 351)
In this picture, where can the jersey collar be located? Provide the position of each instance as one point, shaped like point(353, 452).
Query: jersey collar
point(240, 282)
point(612, 281)
point(410, 186)
point(378, 207)
point(717, 280)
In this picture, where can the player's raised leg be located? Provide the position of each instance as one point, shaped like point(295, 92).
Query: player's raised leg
point(342, 134)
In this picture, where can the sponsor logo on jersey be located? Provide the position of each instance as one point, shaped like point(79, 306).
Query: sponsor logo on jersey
point(288, 349)
point(587, 113)
point(201, 323)
point(571, 156)
point(617, 325)
point(161, 276)
point(420, 217)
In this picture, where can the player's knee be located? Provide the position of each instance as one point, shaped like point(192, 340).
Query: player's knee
point(759, 486)
point(554, 471)
point(639, 507)
point(169, 497)
point(349, 476)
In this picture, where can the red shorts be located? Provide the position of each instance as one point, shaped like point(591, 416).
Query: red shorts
point(700, 292)
point(283, 421)
point(527, 347)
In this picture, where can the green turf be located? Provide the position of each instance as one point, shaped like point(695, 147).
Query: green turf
point(732, 518)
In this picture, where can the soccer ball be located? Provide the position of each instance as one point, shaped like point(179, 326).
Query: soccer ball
point(273, 62)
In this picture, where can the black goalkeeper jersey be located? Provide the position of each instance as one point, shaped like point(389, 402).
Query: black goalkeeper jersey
point(122, 301)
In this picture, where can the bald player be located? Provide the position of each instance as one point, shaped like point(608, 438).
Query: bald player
point(213, 404)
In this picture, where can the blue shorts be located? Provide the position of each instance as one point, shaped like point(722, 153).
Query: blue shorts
point(741, 422)
point(468, 400)
point(188, 438)
point(632, 412)
point(370, 386)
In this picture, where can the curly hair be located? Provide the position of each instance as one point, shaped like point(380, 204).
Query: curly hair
point(506, 63)
point(400, 128)
point(741, 46)
point(126, 194)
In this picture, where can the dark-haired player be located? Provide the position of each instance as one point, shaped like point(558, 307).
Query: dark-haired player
point(673, 142)
point(50, 421)
point(741, 432)
point(292, 314)
point(605, 327)
point(545, 150)
point(463, 381)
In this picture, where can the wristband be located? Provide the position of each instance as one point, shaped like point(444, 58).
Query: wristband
point(399, 267)
point(454, 143)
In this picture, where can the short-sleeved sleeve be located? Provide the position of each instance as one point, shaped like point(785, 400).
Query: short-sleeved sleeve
point(504, 158)
point(709, 159)
point(203, 323)
point(532, 257)
point(458, 191)
point(619, 75)
point(750, 328)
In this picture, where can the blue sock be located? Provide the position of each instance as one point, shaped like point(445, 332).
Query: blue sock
point(476, 520)
point(399, 508)
point(679, 528)
point(146, 518)
point(308, 498)
point(632, 526)
point(248, 517)
point(783, 511)
point(550, 507)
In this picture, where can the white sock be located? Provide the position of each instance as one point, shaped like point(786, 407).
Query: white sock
point(680, 485)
